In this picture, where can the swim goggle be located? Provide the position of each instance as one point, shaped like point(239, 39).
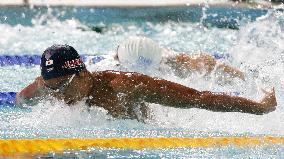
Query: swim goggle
point(62, 86)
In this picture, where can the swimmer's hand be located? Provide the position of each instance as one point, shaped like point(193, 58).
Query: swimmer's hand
point(30, 91)
point(269, 101)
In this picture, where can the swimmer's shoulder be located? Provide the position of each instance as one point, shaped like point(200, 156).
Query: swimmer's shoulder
point(112, 74)
point(106, 75)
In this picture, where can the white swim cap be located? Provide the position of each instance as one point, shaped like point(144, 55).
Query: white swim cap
point(140, 51)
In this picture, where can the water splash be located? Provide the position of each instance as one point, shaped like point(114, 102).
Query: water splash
point(257, 48)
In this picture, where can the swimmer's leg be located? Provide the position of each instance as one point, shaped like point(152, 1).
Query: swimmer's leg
point(184, 64)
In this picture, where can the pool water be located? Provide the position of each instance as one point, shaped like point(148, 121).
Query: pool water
point(252, 37)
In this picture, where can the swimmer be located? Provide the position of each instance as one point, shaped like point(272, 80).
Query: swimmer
point(142, 51)
point(65, 77)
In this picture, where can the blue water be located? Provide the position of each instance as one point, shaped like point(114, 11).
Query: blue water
point(252, 37)
point(229, 17)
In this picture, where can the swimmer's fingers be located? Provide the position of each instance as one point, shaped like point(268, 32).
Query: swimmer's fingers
point(39, 82)
point(268, 92)
point(269, 101)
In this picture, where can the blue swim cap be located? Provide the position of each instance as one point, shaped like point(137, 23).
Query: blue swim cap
point(60, 60)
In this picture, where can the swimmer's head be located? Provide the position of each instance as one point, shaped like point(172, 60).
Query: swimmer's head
point(60, 60)
point(139, 51)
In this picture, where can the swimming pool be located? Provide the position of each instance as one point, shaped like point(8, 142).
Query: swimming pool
point(252, 37)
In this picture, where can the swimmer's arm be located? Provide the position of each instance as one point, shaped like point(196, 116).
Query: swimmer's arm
point(167, 93)
point(29, 92)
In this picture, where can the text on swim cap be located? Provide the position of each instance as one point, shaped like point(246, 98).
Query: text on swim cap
point(144, 61)
point(72, 63)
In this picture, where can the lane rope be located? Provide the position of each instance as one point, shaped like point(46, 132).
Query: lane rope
point(28, 60)
point(7, 99)
point(15, 147)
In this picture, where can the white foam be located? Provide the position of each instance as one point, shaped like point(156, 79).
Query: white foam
point(257, 45)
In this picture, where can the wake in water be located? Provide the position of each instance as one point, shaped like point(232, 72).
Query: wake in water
point(257, 48)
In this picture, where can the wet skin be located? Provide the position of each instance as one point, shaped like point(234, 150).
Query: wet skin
point(120, 93)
